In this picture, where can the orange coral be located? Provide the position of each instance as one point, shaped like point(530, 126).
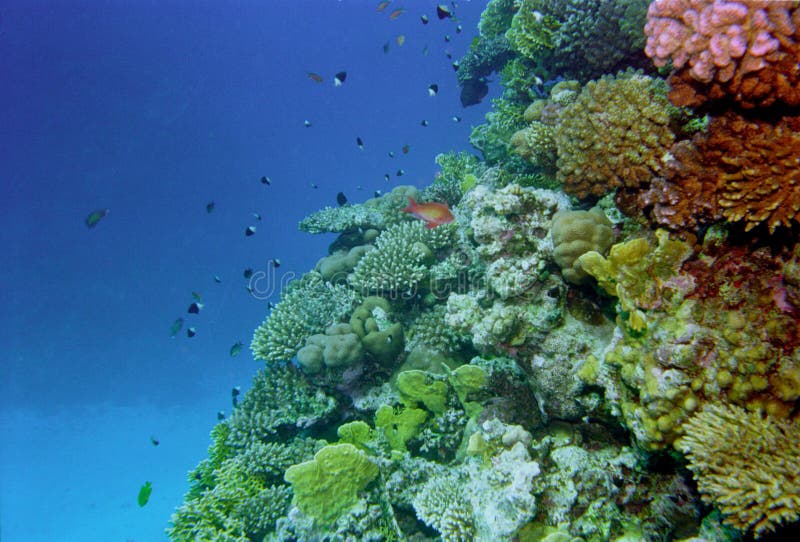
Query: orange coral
point(740, 169)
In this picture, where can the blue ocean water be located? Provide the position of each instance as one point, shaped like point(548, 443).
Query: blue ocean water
point(153, 110)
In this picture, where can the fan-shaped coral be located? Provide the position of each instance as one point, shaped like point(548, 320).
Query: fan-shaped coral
point(747, 50)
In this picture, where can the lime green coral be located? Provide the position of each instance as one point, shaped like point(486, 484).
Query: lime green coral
point(328, 485)
point(399, 426)
point(638, 273)
point(307, 306)
point(417, 387)
point(745, 464)
point(532, 31)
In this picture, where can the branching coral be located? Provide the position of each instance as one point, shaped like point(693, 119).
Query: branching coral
point(745, 464)
point(741, 169)
point(615, 134)
point(307, 306)
point(747, 50)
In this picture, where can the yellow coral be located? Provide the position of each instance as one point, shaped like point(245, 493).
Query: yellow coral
point(747, 465)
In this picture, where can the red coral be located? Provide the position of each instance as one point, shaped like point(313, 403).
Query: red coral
point(740, 169)
point(748, 50)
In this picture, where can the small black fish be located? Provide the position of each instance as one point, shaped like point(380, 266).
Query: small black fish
point(217, 279)
point(443, 12)
point(406, 148)
point(314, 185)
point(154, 441)
point(250, 290)
point(270, 305)
point(386, 177)
point(400, 172)
point(191, 332)
point(176, 327)
point(210, 207)
point(341, 199)
point(447, 39)
point(307, 123)
point(236, 391)
point(235, 349)
point(220, 415)
point(275, 262)
point(425, 50)
point(360, 143)
point(456, 65)
point(448, 54)
point(257, 216)
point(433, 90)
point(195, 308)
point(378, 194)
point(386, 48)
point(424, 122)
point(251, 230)
point(456, 119)
point(266, 181)
point(339, 79)
point(197, 297)
point(459, 28)
point(391, 154)
point(248, 273)
point(95, 217)
point(424, 19)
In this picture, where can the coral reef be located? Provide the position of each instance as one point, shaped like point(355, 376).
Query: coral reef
point(741, 169)
point(615, 134)
point(307, 306)
point(575, 233)
point(747, 465)
point(745, 50)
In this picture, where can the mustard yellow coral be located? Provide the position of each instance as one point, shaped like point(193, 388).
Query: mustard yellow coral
point(747, 465)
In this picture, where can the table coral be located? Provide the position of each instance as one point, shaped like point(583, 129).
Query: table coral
point(746, 465)
point(615, 134)
point(747, 50)
point(741, 169)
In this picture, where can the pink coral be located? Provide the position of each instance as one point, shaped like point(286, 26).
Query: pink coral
point(747, 49)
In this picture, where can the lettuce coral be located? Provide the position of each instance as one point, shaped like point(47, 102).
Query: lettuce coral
point(615, 134)
point(745, 464)
point(747, 50)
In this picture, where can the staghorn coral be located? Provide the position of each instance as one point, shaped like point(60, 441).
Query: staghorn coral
point(575, 233)
point(746, 465)
point(740, 169)
point(747, 50)
point(614, 135)
point(307, 306)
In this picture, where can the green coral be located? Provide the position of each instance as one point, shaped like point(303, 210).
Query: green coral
point(399, 426)
point(328, 485)
point(492, 138)
point(339, 346)
point(307, 306)
point(343, 219)
point(417, 387)
point(401, 258)
point(532, 31)
point(280, 397)
point(496, 18)
point(380, 335)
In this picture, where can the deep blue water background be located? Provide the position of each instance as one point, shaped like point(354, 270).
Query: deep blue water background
point(153, 109)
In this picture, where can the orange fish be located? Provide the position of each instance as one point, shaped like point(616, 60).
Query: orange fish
point(314, 77)
point(396, 13)
point(401, 39)
point(433, 213)
point(382, 6)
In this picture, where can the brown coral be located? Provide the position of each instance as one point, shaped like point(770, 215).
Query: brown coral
point(746, 465)
point(740, 169)
point(615, 134)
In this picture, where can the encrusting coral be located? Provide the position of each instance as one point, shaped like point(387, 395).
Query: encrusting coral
point(746, 50)
point(746, 465)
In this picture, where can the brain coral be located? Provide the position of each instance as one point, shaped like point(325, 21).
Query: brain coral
point(747, 50)
point(744, 170)
point(615, 134)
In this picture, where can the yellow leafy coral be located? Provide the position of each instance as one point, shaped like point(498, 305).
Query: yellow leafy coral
point(747, 465)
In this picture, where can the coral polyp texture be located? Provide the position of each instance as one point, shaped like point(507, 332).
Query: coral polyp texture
point(746, 50)
point(746, 465)
point(615, 134)
point(742, 169)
